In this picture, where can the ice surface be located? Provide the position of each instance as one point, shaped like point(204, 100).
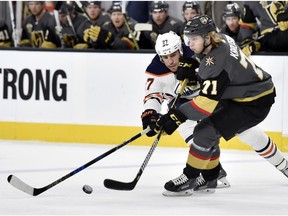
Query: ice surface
point(257, 188)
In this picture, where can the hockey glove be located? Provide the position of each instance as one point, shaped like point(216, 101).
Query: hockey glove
point(95, 34)
point(171, 121)
point(149, 118)
point(91, 34)
point(278, 7)
point(282, 20)
point(251, 48)
point(186, 69)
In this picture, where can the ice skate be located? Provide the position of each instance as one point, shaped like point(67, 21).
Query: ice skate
point(210, 186)
point(285, 169)
point(180, 186)
point(222, 180)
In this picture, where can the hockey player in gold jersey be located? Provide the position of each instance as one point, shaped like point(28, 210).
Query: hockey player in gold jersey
point(235, 96)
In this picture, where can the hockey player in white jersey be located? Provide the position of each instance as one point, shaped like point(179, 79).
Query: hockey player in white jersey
point(162, 85)
point(235, 96)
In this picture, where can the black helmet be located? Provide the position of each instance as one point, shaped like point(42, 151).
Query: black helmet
point(232, 9)
point(191, 4)
point(201, 24)
point(159, 6)
point(87, 3)
point(116, 7)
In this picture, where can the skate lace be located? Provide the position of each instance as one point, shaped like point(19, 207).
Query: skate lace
point(180, 180)
point(200, 180)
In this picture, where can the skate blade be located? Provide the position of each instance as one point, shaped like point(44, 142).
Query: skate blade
point(223, 183)
point(206, 191)
point(175, 194)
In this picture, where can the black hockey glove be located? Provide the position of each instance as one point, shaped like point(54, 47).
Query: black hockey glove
point(186, 69)
point(171, 121)
point(149, 118)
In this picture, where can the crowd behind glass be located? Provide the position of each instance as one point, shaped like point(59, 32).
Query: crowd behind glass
point(133, 25)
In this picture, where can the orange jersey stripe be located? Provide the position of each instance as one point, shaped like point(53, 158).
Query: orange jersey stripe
point(153, 74)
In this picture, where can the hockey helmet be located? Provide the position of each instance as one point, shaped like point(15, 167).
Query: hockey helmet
point(116, 6)
point(191, 4)
point(42, 2)
point(87, 3)
point(168, 43)
point(199, 25)
point(65, 7)
point(159, 6)
point(232, 9)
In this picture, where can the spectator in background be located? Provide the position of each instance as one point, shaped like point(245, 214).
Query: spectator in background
point(139, 10)
point(189, 10)
point(161, 23)
point(273, 27)
point(36, 26)
point(5, 35)
point(90, 34)
point(69, 21)
point(231, 17)
point(118, 27)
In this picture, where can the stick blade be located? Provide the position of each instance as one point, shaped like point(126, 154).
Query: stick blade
point(143, 27)
point(117, 185)
point(22, 186)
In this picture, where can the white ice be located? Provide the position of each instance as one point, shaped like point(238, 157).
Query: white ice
point(257, 188)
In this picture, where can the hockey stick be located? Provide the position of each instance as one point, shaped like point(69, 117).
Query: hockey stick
point(143, 27)
point(14, 34)
point(20, 185)
point(127, 25)
point(117, 185)
point(59, 28)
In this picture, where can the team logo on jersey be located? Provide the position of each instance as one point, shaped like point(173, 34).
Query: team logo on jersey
point(210, 61)
point(203, 20)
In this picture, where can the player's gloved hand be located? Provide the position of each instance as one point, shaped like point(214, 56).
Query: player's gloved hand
point(282, 20)
point(129, 42)
point(69, 40)
point(186, 69)
point(149, 118)
point(92, 34)
point(97, 34)
point(170, 121)
point(251, 48)
point(280, 14)
point(189, 91)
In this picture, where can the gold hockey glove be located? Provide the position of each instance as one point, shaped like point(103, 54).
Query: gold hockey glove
point(91, 34)
point(282, 20)
point(251, 48)
point(99, 37)
point(280, 14)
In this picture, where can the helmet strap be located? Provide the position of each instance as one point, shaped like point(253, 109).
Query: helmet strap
point(205, 36)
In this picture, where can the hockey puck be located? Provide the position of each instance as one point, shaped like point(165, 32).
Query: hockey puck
point(87, 189)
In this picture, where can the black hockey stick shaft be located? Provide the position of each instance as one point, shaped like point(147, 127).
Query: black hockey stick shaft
point(19, 184)
point(117, 185)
